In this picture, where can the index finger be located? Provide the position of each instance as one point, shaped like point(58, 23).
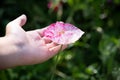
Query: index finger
point(41, 31)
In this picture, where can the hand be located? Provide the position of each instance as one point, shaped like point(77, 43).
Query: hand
point(30, 47)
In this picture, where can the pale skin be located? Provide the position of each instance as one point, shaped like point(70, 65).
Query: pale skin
point(18, 47)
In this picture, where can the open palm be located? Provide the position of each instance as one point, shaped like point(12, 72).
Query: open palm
point(32, 46)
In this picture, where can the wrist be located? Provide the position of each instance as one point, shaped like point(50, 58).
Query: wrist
point(5, 45)
point(9, 52)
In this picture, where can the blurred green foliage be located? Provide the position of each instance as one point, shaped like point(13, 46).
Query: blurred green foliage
point(96, 56)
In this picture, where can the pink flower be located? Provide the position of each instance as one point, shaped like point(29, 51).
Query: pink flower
point(63, 33)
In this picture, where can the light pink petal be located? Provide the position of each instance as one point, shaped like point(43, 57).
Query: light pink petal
point(63, 33)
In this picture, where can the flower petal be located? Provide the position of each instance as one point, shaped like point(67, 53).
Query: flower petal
point(63, 33)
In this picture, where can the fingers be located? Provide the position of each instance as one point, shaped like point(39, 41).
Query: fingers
point(64, 47)
point(41, 31)
point(47, 41)
point(54, 50)
point(50, 45)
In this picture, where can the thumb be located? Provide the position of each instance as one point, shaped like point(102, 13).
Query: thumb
point(16, 24)
point(20, 21)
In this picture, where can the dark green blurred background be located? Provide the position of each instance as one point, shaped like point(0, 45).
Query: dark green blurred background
point(96, 56)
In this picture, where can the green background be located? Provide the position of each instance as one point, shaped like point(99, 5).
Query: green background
point(96, 56)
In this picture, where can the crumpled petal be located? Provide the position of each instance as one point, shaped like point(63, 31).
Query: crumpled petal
point(63, 33)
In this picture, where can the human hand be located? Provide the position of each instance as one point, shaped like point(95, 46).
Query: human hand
point(30, 47)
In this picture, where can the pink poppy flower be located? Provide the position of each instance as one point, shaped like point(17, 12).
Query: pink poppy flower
point(63, 33)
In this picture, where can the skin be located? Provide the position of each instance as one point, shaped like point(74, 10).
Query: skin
point(18, 47)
